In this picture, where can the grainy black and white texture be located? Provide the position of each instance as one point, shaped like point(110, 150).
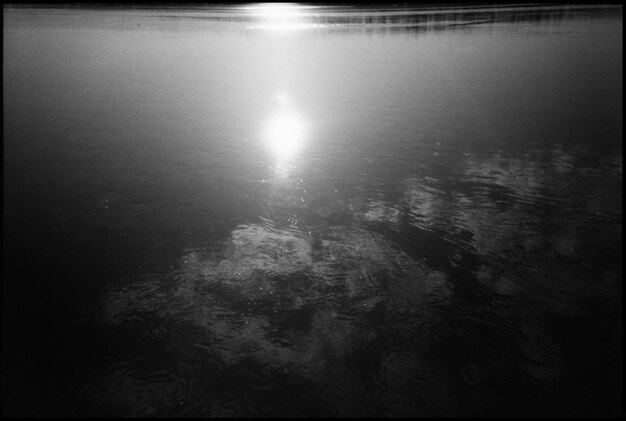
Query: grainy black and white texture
point(304, 211)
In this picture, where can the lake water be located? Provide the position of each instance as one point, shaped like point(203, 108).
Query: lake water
point(302, 211)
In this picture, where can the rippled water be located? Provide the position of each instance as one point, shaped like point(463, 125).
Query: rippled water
point(306, 211)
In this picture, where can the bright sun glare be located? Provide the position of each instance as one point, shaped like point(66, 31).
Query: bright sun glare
point(279, 17)
point(277, 10)
point(284, 134)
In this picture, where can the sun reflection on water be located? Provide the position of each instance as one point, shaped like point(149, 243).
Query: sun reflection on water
point(284, 134)
point(280, 17)
point(284, 131)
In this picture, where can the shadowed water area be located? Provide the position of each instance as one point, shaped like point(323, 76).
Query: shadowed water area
point(312, 211)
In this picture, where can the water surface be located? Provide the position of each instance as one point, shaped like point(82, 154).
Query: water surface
point(312, 211)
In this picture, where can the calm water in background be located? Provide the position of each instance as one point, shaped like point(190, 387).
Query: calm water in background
point(312, 212)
